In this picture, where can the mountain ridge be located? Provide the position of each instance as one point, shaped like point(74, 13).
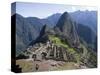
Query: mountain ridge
point(39, 22)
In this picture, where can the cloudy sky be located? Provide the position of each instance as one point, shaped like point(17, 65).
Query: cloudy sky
point(43, 10)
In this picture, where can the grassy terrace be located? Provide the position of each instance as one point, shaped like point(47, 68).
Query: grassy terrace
point(57, 41)
point(29, 66)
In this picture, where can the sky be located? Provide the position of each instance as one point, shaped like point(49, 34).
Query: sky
point(42, 10)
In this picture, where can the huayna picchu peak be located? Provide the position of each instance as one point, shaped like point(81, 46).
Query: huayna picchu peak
point(67, 28)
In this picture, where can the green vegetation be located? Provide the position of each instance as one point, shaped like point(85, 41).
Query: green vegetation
point(57, 41)
point(68, 65)
point(74, 56)
point(92, 61)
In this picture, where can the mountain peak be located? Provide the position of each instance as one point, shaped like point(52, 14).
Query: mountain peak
point(66, 27)
point(66, 15)
point(64, 21)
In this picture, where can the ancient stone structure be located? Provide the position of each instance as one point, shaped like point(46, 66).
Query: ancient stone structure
point(57, 53)
point(49, 51)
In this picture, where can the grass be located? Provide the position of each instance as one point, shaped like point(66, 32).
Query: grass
point(57, 41)
point(27, 66)
point(68, 66)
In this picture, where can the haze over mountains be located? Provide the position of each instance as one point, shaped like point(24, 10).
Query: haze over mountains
point(66, 37)
point(28, 29)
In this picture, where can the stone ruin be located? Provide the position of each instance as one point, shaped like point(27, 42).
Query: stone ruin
point(57, 53)
point(50, 51)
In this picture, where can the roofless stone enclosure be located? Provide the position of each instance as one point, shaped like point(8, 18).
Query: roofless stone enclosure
point(56, 53)
point(49, 51)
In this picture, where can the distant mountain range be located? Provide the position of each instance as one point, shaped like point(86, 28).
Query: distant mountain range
point(79, 40)
point(74, 26)
point(88, 18)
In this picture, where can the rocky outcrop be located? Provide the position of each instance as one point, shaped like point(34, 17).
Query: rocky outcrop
point(66, 27)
